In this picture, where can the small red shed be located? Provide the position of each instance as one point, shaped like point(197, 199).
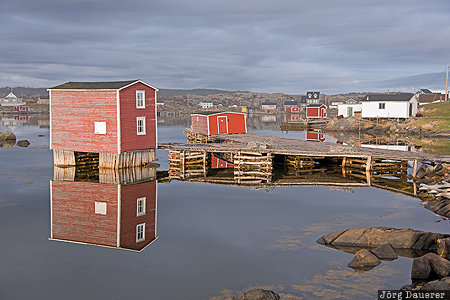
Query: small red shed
point(115, 119)
point(212, 123)
point(109, 215)
point(318, 111)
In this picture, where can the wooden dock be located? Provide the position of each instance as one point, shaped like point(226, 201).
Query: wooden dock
point(271, 145)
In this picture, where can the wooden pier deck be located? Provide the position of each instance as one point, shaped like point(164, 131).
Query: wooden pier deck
point(252, 143)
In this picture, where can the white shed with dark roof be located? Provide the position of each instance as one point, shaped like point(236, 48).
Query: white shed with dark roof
point(399, 105)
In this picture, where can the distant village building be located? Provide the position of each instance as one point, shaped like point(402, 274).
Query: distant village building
point(399, 105)
point(349, 109)
point(313, 97)
point(303, 101)
point(43, 100)
point(269, 105)
point(291, 106)
point(206, 105)
point(334, 104)
point(430, 98)
point(316, 111)
point(211, 123)
point(11, 100)
point(116, 120)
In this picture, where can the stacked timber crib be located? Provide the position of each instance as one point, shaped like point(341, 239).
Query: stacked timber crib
point(186, 164)
point(129, 159)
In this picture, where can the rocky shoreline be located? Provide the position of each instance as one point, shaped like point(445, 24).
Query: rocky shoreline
point(430, 269)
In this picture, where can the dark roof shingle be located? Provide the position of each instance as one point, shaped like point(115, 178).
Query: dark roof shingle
point(390, 97)
point(111, 85)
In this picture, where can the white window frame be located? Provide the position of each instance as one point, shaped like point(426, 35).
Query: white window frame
point(100, 208)
point(100, 128)
point(143, 201)
point(137, 126)
point(138, 104)
point(142, 238)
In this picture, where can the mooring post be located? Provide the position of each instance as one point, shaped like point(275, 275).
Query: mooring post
point(369, 163)
point(415, 168)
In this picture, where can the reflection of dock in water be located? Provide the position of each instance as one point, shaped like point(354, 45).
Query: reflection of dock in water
point(291, 171)
point(114, 209)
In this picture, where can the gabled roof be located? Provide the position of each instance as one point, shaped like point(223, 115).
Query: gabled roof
point(210, 113)
point(316, 105)
point(11, 96)
point(101, 85)
point(268, 103)
point(426, 91)
point(290, 102)
point(390, 97)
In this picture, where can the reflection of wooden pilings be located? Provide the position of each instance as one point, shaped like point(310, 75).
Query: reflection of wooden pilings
point(252, 166)
point(64, 158)
point(183, 164)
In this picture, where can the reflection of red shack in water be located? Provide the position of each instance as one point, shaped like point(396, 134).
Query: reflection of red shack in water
point(218, 163)
point(316, 135)
point(211, 123)
point(292, 117)
point(111, 215)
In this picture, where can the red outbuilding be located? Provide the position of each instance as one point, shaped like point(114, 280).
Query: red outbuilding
point(211, 123)
point(115, 119)
point(316, 111)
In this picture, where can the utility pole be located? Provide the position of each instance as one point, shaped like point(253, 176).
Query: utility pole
point(446, 86)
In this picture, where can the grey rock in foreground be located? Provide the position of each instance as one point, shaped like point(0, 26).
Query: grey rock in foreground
point(385, 252)
point(7, 135)
point(257, 294)
point(364, 260)
point(23, 143)
point(421, 268)
point(377, 236)
point(435, 285)
point(439, 265)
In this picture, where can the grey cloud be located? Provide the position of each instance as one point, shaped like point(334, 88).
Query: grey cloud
point(284, 46)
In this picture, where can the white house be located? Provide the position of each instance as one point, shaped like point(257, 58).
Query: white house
point(206, 105)
point(348, 110)
point(268, 105)
point(399, 105)
point(11, 100)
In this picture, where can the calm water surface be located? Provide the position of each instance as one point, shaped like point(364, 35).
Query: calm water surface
point(213, 240)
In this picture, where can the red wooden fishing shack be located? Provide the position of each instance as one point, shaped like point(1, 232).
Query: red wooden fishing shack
point(211, 123)
point(116, 120)
point(317, 111)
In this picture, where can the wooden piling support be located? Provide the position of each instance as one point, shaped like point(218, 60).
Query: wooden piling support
point(415, 168)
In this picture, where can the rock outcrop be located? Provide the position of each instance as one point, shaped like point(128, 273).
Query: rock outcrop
point(257, 294)
point(23, 143)
point(7, 135)
point(377, 236)
point(364, 260)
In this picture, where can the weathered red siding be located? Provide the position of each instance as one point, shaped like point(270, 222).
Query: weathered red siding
point(199, 124)
point(128, 113)
point(130, 194)
point(312, 112)
point(73, 115)
point(236, 123)
point(73, 212)
point(217, 163)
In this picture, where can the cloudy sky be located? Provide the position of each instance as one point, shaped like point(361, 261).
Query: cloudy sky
point(286, 46)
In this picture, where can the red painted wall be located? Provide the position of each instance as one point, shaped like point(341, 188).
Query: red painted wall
point(129, 218)
point(128, 113)
point(73, 212)
point(217, 163)
point(73, 114)
point(199, 124)
point(316, 112)
point(236, 123)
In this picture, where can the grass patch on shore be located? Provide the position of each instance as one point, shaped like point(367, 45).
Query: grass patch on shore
point(436, 116)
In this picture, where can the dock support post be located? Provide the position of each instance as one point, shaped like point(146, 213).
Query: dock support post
point(369, 164)
point(415, 168)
